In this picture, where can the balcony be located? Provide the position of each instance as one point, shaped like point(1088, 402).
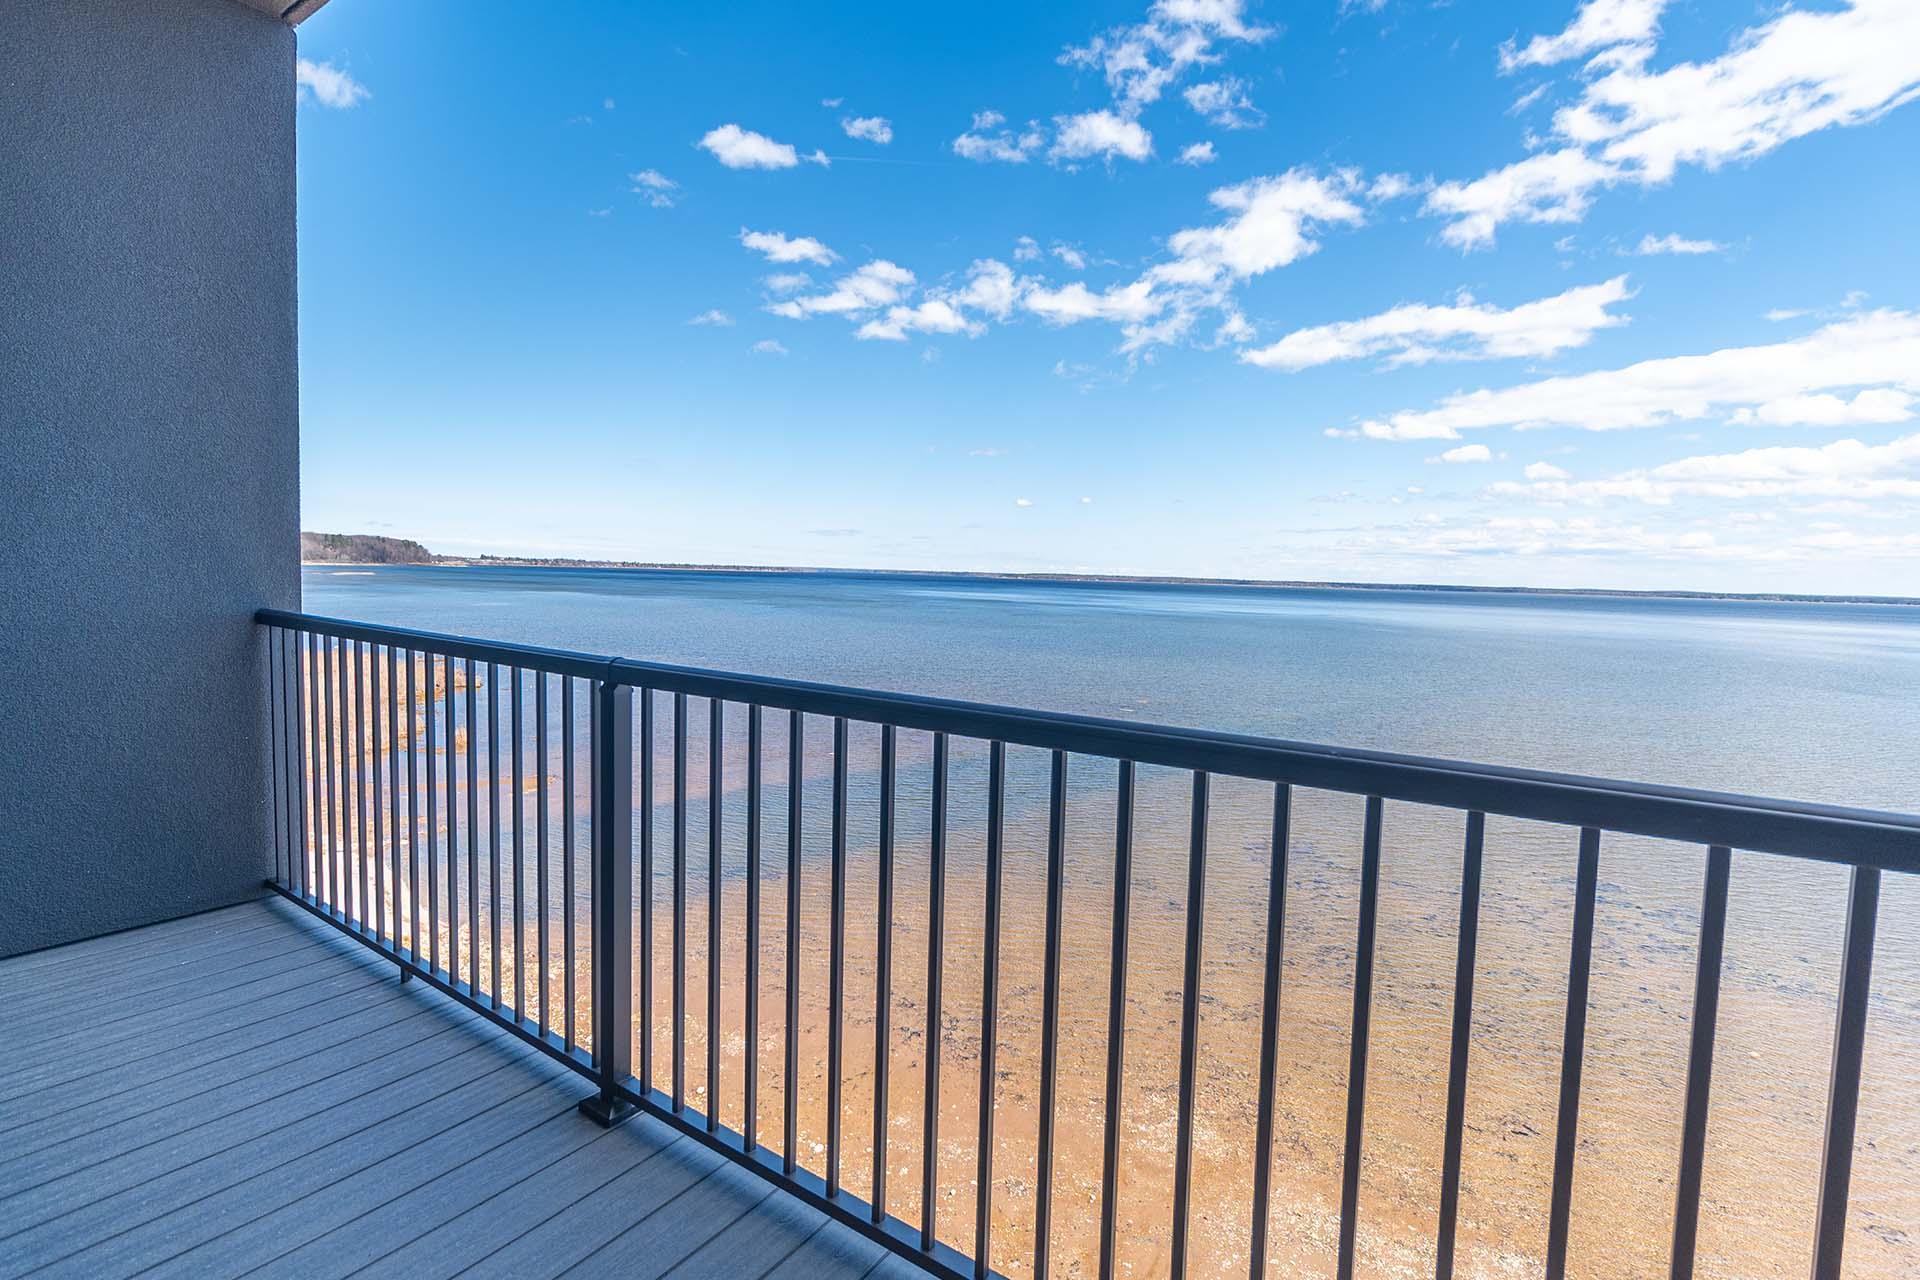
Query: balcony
point(476, 1024)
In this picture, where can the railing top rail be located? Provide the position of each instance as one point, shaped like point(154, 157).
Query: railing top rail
point(1826, 832)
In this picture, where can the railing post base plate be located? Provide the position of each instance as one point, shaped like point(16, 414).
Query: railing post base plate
point(608, 1111)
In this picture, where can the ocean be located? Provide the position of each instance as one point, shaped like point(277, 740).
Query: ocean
point(1813, 701)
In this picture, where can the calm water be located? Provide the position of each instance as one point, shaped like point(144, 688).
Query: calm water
point(1817, 702)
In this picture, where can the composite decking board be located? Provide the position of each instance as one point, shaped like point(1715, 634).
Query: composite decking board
point(128, 966)
point(834, 1250)
point(256, 1103)
point(188, 1046)
point(663, 1240)
point(285, 1125)
point(14, 968)
point(252, 1134)
point(281, 1227)
point(83, 1026)
point(516, 1233)
point(157, 1240)
point(238, 1079)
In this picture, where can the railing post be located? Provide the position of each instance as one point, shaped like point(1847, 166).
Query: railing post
point(612, 821)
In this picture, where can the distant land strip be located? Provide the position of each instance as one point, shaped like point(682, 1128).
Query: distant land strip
point(377, 549)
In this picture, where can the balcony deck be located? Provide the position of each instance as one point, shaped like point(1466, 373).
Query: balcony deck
point(248, 1091)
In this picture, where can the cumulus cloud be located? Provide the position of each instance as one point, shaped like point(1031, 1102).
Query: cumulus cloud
point(768, 347)
point(1464, 453)
point(1599, 24)
point(738, 148)
point(1026, 249)
point(989, 139)
point(1197, 153)
point(779, 248)
point(787, 281)
point(328, 85)
point(1545, 471)
point(656, 186)
point(1873, 406)
point(1877, 352)
point(933, 315)
point(868, 128)
point(1271, 222)
point(1099, 133)
point(1141, 61)
point(1845, 469)
point(877, 284)
point(1801, 72)
point(1466, 330)
point(1224, 102)
point(1074, 302)
point(715, 317)
point(1070, 257)
point(1673, 243)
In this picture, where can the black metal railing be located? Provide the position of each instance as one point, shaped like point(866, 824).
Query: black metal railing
point(356, 713)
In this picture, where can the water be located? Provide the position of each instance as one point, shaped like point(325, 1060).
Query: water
point(1808, 701)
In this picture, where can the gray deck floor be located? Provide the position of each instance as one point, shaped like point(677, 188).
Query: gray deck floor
point(247, 1092)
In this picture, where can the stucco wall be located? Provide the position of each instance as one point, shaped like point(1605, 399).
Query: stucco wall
point(148, 454)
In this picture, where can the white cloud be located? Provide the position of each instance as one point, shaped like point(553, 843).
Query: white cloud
point(1416, 333)
point(933, 315)
point(787, 281)
point(738, 148)
point(1873, 406)
point(1799, 73)
point(656, 186)
point(1845, 469)
point(329, 85)
point(778, 248)
point(1023, 502)
point(1600, 24)
point(1675, 243)
point(1272, 223)
point(990, 287)
point(1877, 350)
point(1070, 257)
point(1464, 453)
point(1140, 62)
point(1072, 303)
point(987, 140)
point(1026, 249)
point(1099, 133)
point(1391, 186)
point(715, 316)
point(1545, 471)
point(1197, 153)
point(877, 284)
point(868, 128)
point(831, 103)
point(768, 347)
point(1224, 102)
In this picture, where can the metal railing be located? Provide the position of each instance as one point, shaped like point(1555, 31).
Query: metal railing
point(347, 746)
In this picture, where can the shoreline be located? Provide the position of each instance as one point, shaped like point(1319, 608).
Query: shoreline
point(1099, 579)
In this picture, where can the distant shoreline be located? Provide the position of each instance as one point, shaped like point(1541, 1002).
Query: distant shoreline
point(1097, 579)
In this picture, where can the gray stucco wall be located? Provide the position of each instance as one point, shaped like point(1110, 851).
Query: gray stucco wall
point(149, 469)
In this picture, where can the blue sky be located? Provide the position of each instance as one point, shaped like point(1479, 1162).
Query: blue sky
point(1614, 294)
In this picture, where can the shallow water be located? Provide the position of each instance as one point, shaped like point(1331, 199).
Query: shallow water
point(1815, 702)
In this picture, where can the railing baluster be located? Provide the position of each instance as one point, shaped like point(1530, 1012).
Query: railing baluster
point(679, 900)
point(837, 954)
point(716, 716)
point(567, 853)
point(336, 794)
point(936, 958)
point(395, 913)
point(1050, 1012)
point(1706, 1008)
point(1116, 1014)
point(357, 775)
point(275, 728)
point(796, 741)
point(750, 1126)
point(646, 890)
point(451, 770)
point(1270, 1026)
point(1843, 1087)
point(429, 717)
point(1189, 1023)
point(612, 822)
point(473, 829)
point(518, 775)
point(294, 695)
point(883, 976)
point(541, 839)
point(1357, 1049)
point(989, 1008)
point(1579, 970)
point(493, 831)
point(380, 723)
point(1469, 936)
point(413, 805)
point(316, 773)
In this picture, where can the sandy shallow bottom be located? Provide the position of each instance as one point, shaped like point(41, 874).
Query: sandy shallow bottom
point(1770, 1066)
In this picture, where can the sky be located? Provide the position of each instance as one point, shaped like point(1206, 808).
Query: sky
point(1614, 294)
